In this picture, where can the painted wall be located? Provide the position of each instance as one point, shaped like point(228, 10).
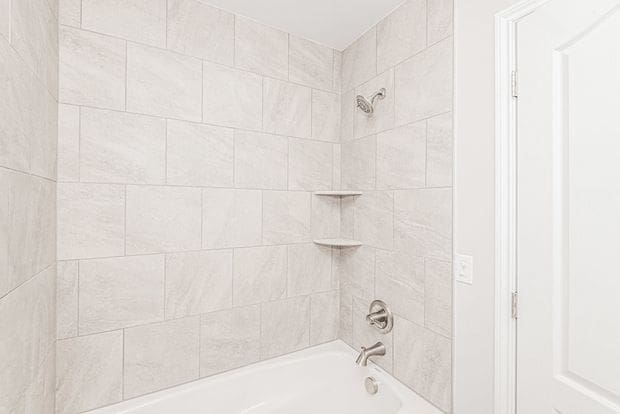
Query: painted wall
point(28, 124)
point(474, 40)
point(190, 143)
point(401, 158)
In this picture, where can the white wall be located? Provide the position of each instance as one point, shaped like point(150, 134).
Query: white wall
point(474, 202)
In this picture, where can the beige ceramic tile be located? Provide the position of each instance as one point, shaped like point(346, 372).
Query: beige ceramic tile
point(311, 64)
point(231, 218)
point(438, 296)
point(309, 269)
point(119, 292)
point(440, 20)
point(439, 144)
point(325, 116)
point(422, 360)
point(67, 299)
point(259, 274)
point(260, 49)
point(232, 97)
point(119, 147)
point(163, 83)
point(401, 34)
point(285, 326)
point(401, 157)
point(286, 217)
point(374, 219)
point(89, 372)
point(142, 21)
point(229, 339)
point(70, 12)
point(68, 143)
point(163, 219)
point(309, 165)
point(197, 29)
point(287, 108)
point(359, 163)
point(91, 220)
point(199, 155)
point(160, 355)
point(198, 282)
point(359, 61)
point(424, 84)
point(260, 160)
point(92, 69)
point(324, 317)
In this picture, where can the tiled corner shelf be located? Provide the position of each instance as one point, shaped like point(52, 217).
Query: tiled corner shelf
point(338, 193)
point(338, 242)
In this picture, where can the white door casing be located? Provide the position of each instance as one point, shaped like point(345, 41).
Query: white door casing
point(568, 208)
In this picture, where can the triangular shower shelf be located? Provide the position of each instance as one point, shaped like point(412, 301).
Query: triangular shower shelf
point(338, 193)
point(338, 242)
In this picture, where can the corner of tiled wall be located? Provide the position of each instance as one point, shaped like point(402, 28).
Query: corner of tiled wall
point(28, 128)
point(401, 158)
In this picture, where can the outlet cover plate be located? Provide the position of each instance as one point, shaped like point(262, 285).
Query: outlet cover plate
point(464, 269)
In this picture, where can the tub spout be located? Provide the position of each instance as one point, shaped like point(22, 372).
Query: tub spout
point(377, 349)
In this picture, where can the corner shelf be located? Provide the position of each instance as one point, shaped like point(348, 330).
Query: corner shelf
point(338, 242)
point(338, 193)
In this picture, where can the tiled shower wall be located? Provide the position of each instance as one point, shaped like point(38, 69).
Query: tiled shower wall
point(28, 124)
point(190, 142)
point(402, 158)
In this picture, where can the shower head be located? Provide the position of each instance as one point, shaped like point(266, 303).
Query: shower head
point(367, 106)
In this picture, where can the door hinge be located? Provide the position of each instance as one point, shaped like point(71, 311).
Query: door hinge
point(514, 302)
point(513, 84)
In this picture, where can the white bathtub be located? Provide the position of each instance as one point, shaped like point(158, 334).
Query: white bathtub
point(319, 380)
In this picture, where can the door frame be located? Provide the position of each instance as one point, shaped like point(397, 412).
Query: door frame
point(505, 396)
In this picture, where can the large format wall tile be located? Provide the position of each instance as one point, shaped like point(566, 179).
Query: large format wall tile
point(91, 220)
point(4, 232)
point(324, 317)
point(311, 64)
point(229, 339)
point(285, 326)
point(27, 323)
point(287, 108)
point(424, 84)
point(4, 20)
point(422, 360)
point(92, 69)
point(232, 97)
point(359, 61)
point(260, 160)
point(401, 157)
point(259, 274)
point(31, 227)
point(309, 165)
point(438, 296)
point(163, 219)
point(142, 21)
point(118, 147)
point(70, 12)
point(199, 155)
point(359, 163)
point(197, 29)
point(67, 299)
point(325, 116)
point(68, 143)
point(439, 151)
point(440, 20)
point(374, 219)
point(34, 35)
point(198, 282)
point(163, 83)
point(309, 269)
point(423, 222)
point(260, 49)
point(401, 34)
point(231, 218)
point(89, 372)
point(119, 292)
point(160, 355)
point(286, 217)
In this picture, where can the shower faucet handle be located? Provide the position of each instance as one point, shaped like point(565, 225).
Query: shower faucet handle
point(380, 316)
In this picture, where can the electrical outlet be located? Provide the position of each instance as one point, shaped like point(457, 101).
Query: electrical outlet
point(464, 269)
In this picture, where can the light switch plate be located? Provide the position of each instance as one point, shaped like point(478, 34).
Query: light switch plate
point(464, 269)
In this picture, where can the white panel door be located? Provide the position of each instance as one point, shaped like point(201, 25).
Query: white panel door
point(568, 208)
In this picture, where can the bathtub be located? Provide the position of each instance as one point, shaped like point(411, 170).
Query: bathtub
point(319, 380)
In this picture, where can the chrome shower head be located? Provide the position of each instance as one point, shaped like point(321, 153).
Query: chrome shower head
point(368, 106)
